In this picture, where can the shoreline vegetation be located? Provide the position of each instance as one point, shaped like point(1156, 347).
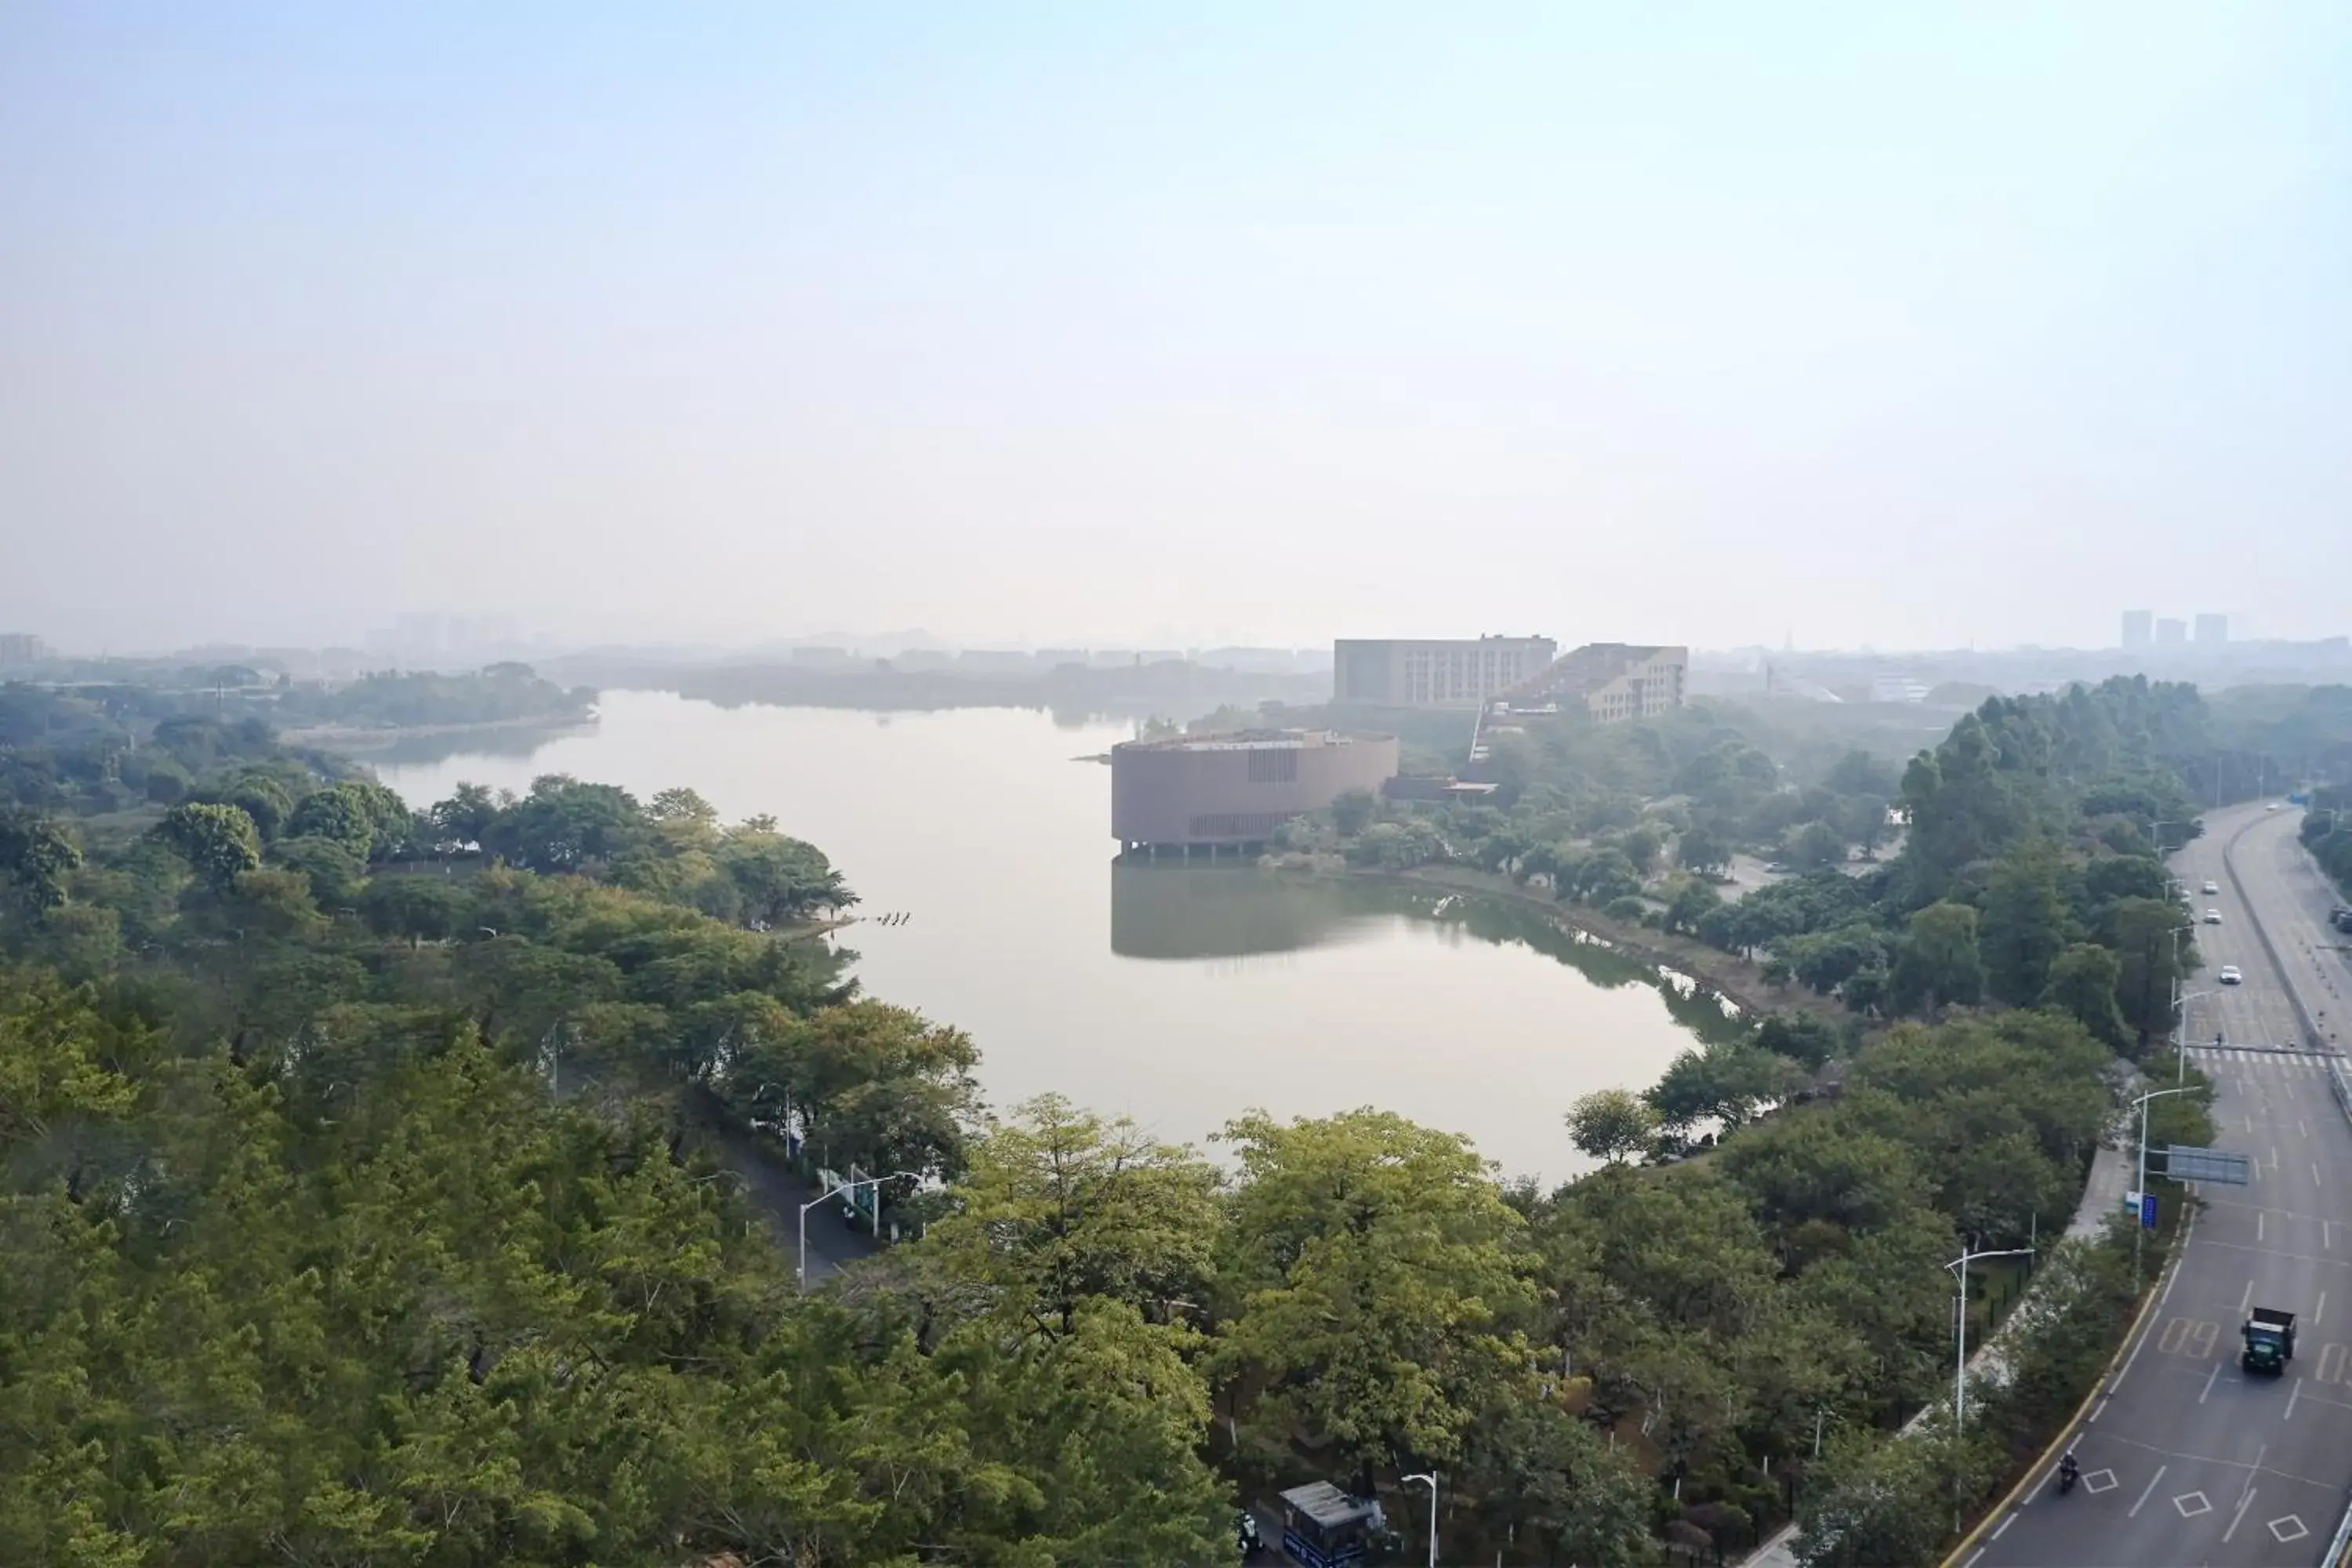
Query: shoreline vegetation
point(362, 738)
point(381, 1182)
point(1737, 980)
point(1162, 686)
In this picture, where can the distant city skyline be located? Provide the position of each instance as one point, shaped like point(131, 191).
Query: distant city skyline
point(1897, 325)
point(420, 631)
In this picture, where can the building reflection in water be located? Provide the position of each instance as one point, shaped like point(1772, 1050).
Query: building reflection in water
point(1174, 910)
point(1179, 912)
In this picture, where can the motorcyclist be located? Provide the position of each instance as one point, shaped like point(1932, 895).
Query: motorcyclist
point(1246, 1536)
point(2070, 1470)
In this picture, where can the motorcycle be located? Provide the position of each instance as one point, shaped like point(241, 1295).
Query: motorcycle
point(2069, 1472)
point(1246, 1538)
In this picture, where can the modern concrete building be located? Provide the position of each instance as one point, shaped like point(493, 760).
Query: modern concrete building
point(2213, 631)
point(1433, 672)
point(22, 647)
point(1232, 791)
point(2137, 628)
point(1614, 680)
point(2172, 632)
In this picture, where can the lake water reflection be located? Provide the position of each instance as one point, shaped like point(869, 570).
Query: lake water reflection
point(1178, 993)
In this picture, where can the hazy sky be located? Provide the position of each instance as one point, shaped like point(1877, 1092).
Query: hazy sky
point(1897, 325)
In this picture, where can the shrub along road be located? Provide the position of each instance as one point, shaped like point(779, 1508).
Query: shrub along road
point(2186, 1459)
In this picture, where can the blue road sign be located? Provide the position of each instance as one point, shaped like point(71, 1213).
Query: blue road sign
point(2148, 1211)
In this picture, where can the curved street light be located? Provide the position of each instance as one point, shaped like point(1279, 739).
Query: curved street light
point(2180, 1030)
point(828, 1198)
point(2139, 1192)
point(1959, 1268)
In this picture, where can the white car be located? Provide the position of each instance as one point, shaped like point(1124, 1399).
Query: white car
point(2213, 887)
point(2230, 975)
point(2212, 916)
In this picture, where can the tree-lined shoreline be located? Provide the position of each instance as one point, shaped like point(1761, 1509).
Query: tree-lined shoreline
point(350, 1164)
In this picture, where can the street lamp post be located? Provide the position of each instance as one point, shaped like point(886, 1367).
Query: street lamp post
point(828, 1198)
point(1960, 1267)
point(2172, 980)
point(1429, 1481)
point(2180, 1030)
point(2139, 1226)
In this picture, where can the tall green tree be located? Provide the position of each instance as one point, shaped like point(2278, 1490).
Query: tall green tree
point(1372, 1282)
point(1727, 1081)
point(2023, 925)
point(366, 818)
point(468, 815)
point(1059, 1206)
point(218, 842)
point(1880, 1502)
point(1701, 851)
point(37, 857)
point(1611, 1124)
point(2153, 953)
point(1689, 909)
point(1940, 962)
point(1541, 1474)
point(2082, 985)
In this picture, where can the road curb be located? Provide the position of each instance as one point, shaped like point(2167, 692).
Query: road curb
point(2099, 1390)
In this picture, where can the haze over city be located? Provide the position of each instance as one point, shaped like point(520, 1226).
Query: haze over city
point(1717, 325)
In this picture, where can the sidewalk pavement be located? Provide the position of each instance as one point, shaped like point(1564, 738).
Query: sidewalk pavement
point(2103, 1194)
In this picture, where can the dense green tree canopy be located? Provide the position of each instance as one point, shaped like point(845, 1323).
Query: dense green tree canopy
point(364, 1210)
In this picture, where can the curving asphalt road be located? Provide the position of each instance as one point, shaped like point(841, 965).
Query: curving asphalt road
point(2186, 1460)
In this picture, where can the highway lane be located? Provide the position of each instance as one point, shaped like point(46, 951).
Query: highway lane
point(2292, 900)
point(2186, 1460)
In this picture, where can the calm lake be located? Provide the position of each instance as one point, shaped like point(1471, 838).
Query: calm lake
point(1180, 995)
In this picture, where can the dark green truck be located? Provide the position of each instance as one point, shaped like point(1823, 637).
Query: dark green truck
point(2269, 1340)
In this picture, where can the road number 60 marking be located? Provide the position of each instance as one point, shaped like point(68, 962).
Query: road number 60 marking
point(2191, 1337)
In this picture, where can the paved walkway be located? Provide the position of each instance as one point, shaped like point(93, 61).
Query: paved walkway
point(2103, 1194)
